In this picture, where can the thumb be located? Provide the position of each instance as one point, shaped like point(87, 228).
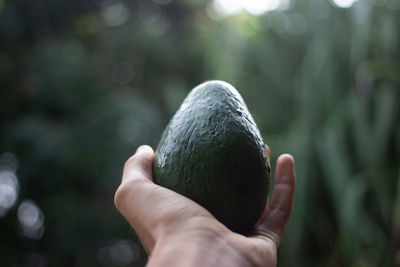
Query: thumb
point(140, 165)
point(149, 208)
point(131, 196)
point(274, 221)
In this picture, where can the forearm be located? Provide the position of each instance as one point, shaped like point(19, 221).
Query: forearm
point(213, 251)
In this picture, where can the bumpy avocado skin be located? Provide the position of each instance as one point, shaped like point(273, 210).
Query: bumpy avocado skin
point(212, 152)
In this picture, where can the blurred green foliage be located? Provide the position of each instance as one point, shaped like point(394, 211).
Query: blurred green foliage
point(83, 83)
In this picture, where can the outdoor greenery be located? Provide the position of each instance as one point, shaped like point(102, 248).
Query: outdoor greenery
point(84, 83)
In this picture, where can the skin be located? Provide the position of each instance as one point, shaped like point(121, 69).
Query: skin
point(175, 231)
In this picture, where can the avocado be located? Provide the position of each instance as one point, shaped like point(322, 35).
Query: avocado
point(212, 152)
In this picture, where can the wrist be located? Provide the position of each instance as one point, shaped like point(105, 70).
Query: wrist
point(199, 247)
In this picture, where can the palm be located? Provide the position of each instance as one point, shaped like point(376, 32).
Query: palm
point(153, 211)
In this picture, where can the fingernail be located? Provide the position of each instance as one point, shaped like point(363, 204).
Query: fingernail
point(140, 148)
point(287, 160)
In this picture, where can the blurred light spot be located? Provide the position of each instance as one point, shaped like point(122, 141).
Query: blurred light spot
point(148, 13)
point(212, 12)
point(156, 22)
point(122, 72)
point(72, 50)
point(115, 13)
point(254, 7)
point(343, 3)
point(160, 27)
point(31, 219)
point(8, 190)
point(8, 161)
point(34, 260)
point(226, 7)
point(121, 252)
point(162, 2)
point(296, 24)
point(362, 13)
point(321, 9)
point(285, 4)
point(258, 7)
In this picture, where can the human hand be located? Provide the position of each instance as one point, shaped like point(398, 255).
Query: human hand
point(176, 231)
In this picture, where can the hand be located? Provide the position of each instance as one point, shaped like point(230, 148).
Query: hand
point(176, 231)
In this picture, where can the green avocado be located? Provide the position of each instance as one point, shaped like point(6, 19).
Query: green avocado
point(212, 152)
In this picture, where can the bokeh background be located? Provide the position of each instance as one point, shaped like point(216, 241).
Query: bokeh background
point(83, 83)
